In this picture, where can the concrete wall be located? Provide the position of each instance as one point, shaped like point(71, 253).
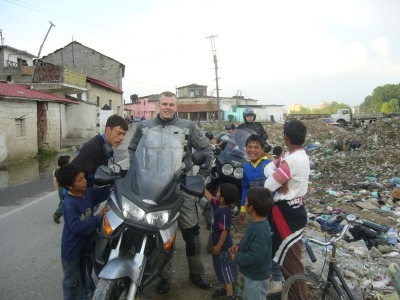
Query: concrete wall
point(105, 95)
point(81, 120)
point(89, 62)
point(264, 113)
point(18, 147)
point(102, 120)
point(13, 55)
point(192, 91)
point(15, 72)
point(53, 136)
point(63, 122)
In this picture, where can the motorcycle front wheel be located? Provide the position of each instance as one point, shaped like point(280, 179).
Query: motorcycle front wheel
point(112, 289)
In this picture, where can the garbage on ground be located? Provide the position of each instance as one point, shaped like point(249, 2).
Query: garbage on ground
point(350, 174)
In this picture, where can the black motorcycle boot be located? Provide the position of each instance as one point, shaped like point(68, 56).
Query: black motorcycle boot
point(199, 281)
point(164, 286)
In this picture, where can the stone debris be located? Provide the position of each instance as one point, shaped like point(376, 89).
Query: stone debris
point(355, 170)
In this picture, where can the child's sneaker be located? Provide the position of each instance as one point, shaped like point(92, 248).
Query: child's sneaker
point(219, 294)
point(274, 287)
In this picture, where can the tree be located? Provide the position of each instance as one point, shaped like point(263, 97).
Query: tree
point(380, 96)
point(390, 107)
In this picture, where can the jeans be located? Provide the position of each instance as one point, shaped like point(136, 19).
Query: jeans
point(255, 289)
point(72, 281)
point(77, 282)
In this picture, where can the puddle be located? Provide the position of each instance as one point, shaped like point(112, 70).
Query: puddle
point(15, 174)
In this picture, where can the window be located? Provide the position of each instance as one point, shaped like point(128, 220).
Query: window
point(20, 127)
point(98, 101)
point(196, 92)
point(110, 103)
point(234, 109)
point(22, 62)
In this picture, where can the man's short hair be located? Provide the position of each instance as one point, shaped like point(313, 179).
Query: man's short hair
point(230, 192)
point(261, 199)
point(296, 132)
point(255, 138)
point(67, 173)
point(167, 94)
point(115, 121)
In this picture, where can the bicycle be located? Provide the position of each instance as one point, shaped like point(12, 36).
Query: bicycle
point(333, 286)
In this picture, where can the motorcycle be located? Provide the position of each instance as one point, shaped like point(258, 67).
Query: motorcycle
point(229, 164)
point(137, 235)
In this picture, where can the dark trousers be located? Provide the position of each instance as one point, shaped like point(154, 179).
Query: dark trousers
point(77, 282)
point(291, 265)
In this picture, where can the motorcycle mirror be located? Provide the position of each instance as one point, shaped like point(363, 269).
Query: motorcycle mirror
point(225, 138)
point(108, 150)
point(199, 158)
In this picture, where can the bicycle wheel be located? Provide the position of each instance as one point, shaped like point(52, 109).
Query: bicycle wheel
point(303, 287)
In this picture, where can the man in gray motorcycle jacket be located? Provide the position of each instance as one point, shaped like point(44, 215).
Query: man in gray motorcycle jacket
point(191, 137)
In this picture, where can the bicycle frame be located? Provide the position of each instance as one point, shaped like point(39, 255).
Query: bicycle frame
point(333, 268)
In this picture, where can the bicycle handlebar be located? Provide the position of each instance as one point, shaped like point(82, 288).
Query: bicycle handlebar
point(349, 218)
point(310, 251)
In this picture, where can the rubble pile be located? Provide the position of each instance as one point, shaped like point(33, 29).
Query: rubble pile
point(355, 170)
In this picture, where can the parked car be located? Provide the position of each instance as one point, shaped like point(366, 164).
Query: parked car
point(136, 119)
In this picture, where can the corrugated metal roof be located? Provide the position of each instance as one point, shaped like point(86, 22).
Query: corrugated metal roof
point(20, 91)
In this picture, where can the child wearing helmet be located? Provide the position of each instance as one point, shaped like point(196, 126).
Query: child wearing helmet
point(249, 117)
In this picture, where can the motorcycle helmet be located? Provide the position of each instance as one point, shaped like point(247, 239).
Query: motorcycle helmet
point(248, 111)
point(229, 127)
point(209, 135)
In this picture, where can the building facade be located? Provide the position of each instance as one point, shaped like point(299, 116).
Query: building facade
point(30, 120)
point(95, 66)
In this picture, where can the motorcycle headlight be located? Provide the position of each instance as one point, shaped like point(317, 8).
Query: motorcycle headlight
point(157, 218)
point(227, 169)
point(134, 213)
point(238, 173)
point(131, 211)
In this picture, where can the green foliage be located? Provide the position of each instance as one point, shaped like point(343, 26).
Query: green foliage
point(329, 108)
point(383, 98)
point(231, 118)
point(44, 151)
point(391, 106)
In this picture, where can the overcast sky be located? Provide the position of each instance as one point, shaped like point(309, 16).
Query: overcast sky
point(278, 52)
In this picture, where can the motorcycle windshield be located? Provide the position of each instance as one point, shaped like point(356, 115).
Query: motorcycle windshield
point(237, 142)
point(156, 166)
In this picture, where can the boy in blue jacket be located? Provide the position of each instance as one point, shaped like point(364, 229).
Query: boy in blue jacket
point(253, 171)
point(253, 255)
point(79, 224)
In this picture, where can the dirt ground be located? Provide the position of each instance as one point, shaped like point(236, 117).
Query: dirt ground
point(337, 166)
point(181, 287)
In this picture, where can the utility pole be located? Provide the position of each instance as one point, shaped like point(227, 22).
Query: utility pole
point(216, 77)
point(40, 49)
point(1, 37)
